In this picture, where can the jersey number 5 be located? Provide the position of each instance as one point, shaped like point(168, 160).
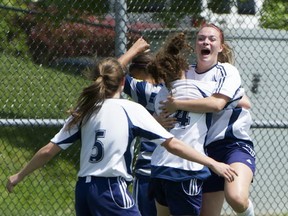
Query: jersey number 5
point(97, 150)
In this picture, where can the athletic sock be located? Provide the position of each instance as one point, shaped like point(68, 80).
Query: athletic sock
point(249, 211)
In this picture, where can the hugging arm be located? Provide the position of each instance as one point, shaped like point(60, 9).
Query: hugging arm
point(213, 103)
point(180, 149)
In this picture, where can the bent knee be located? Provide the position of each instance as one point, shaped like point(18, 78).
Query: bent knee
point(238, 203)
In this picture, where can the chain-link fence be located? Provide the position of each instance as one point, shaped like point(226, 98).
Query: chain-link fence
point(46, 44)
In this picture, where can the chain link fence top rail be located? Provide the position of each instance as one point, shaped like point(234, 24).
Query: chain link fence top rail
point(46, 45)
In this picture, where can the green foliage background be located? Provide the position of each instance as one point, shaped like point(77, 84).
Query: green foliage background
point(274, 14)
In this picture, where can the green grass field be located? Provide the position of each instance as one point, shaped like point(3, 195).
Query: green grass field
point(48, 191)
point(32, 91)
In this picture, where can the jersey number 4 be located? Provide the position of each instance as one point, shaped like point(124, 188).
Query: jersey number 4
point(182, 118)
point(98, 149)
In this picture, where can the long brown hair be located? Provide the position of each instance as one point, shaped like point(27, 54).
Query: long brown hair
point(107, 76)
point(227, 54)
point(140, 62)
point(170, 62)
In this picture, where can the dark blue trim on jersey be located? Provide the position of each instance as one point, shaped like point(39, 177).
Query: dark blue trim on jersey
point(71, 139)
point(147, 146)
point(174, 174)
point(204, 95)
point(127, 155)
point(195, 66)
point(208, 120)
point(226, 143)
point(133, 133)
point(229, 131)
point(233, 99)
point(127, 88)
point(222, 79)
point(140, 91)
point(143, 164)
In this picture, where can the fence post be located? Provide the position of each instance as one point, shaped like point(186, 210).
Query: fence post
point(121, 19)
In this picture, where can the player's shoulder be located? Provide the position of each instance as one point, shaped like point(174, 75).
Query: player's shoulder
point(125, 103)
point(226, 65)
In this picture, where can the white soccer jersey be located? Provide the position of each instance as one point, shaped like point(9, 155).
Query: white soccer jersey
point(143, 93)
point(232, 122)
point(226, 75)
point(108, 138)
point(191, 129)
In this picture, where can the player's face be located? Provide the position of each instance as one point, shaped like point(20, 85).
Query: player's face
point(208, 45)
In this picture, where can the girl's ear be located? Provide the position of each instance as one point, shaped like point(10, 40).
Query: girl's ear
point(221, 48)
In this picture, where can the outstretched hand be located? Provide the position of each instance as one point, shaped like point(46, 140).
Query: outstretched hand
point(12, 182)
point(224, 170)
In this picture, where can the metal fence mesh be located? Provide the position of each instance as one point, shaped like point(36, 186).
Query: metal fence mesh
point(46, 45)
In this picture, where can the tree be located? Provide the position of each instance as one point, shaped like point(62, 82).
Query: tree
point(274, 14)
point(66, 7)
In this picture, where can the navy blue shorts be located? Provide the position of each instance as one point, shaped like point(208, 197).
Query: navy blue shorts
point(99, 196)
point(182, 198)
point(228, 152)
point(145, 204)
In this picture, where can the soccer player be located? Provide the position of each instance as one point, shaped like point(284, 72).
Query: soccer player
point(107, 127)
point(177, 183)
point(141, 87)
point(228, 137)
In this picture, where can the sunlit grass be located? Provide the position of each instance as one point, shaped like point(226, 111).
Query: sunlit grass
point(33, 91)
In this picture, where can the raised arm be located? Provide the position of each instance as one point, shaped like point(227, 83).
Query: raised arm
point(138, 47)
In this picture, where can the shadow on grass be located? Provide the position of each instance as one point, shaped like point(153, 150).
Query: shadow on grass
point(32, 138)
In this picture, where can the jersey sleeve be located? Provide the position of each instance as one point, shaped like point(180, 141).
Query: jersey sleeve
point(134, 88)
point(146, 126)
point(228, 80)
point(235, 99)
point(66, 137)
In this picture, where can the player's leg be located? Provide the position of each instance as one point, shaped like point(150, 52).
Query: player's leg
point(237, 192)
point(212, 203)
point(213, 187)
point(162, 210)
point(242, 159)
point(157, 193)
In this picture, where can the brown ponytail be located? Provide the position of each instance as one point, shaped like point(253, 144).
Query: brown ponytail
point(108, 75)
point(170, 62)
